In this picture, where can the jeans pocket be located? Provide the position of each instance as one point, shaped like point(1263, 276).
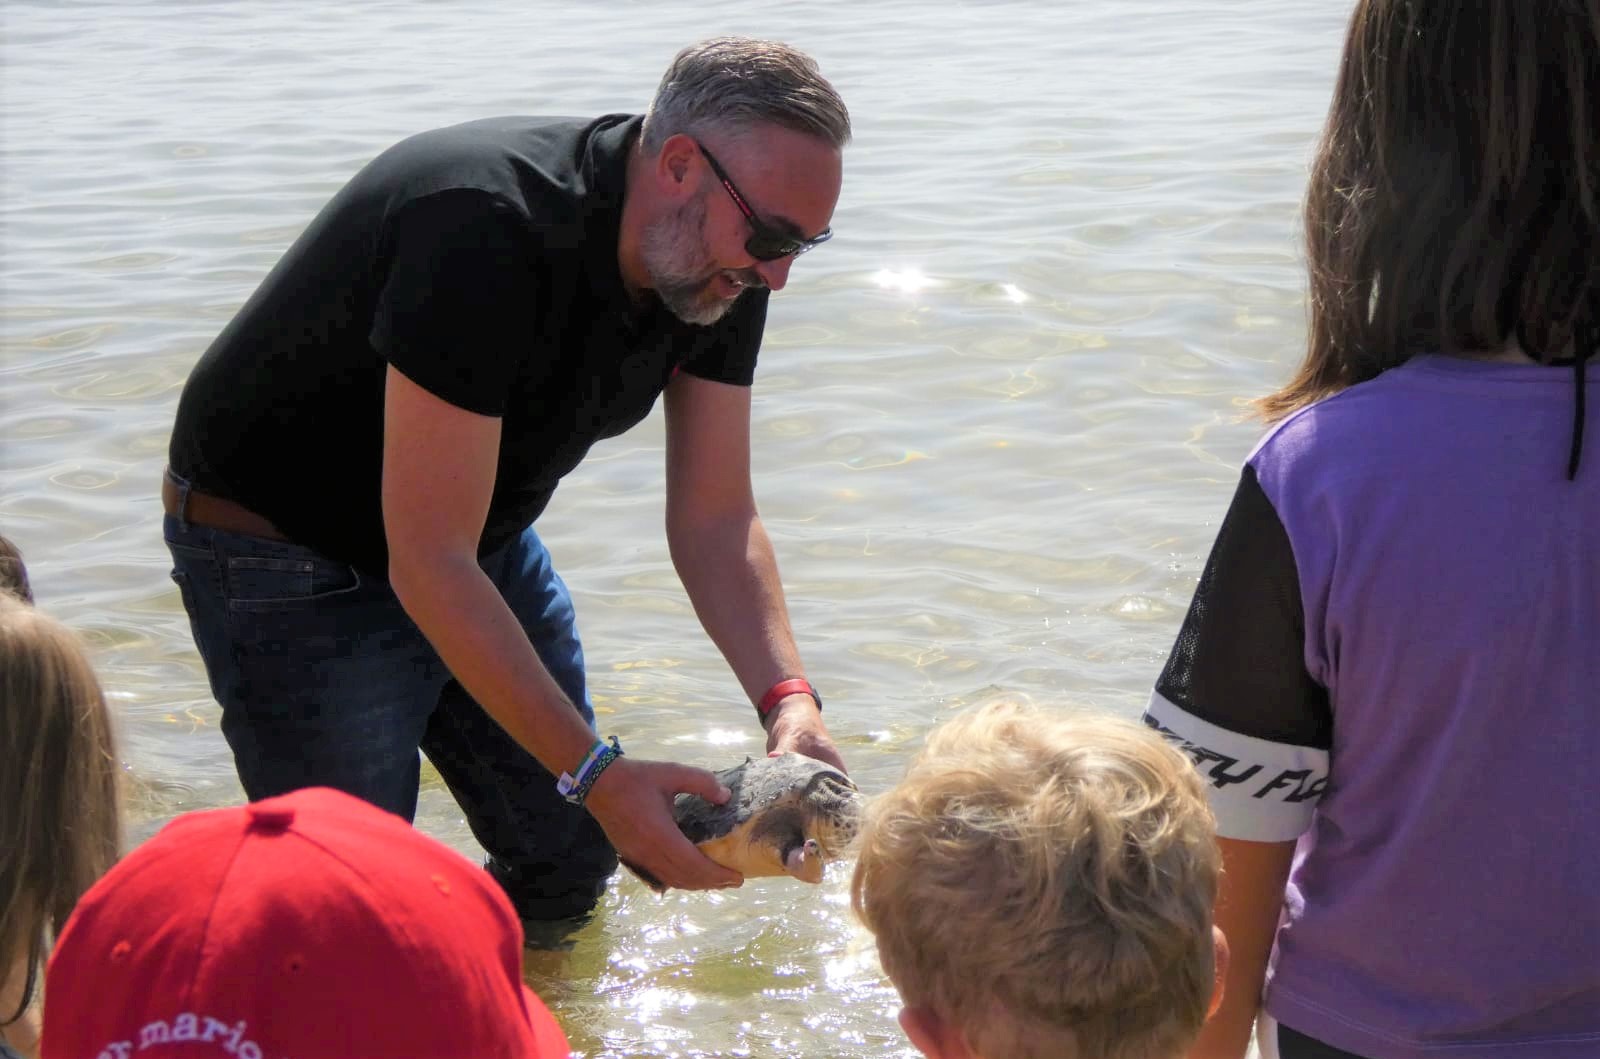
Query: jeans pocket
point(269, 582)
point(185, 591)
point(193, 552)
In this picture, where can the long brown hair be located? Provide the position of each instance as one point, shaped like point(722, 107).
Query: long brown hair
point(59, 817)
point(1455, 197)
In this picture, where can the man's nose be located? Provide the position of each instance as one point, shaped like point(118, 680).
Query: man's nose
point(774, 273)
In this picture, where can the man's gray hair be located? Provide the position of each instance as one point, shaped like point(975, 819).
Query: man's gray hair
point(734, 84)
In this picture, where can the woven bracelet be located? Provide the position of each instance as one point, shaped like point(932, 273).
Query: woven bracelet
point(576, 788)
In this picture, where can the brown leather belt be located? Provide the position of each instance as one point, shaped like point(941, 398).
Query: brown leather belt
point(203, 509)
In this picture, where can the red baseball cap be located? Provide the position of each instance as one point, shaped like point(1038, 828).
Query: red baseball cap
point(311, 926)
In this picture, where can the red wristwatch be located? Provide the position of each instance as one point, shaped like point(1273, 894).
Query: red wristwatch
point(782, 690)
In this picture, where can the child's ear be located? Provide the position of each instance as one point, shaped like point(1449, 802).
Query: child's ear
point(933, 1036)
point(1219, 949)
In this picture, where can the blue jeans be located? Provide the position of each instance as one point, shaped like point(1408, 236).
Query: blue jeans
point(325, 681)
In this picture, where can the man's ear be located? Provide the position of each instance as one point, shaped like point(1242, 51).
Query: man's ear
point(674, 166)
point(1219, 949)
point(932, 1035)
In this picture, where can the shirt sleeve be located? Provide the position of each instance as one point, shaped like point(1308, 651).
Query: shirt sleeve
point(1235, 694)
point(454, 309)
point(726, 351)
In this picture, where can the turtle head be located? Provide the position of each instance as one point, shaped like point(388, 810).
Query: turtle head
point(833, 803)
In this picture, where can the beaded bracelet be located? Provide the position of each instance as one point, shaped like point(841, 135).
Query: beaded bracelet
point(576, 788)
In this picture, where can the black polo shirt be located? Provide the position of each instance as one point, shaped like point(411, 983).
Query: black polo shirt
point(481, 261)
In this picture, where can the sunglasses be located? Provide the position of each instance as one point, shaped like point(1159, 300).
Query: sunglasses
point(766, 243)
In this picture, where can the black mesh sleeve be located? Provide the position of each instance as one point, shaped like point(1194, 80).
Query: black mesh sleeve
point(1239, 661)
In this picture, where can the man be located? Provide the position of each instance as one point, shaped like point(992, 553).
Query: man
point(359, 457)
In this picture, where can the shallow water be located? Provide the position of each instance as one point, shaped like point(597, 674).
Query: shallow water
point(997, 418)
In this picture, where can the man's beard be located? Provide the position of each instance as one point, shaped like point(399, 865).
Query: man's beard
point(680, 269)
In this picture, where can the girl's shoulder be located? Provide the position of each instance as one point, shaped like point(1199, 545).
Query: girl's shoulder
point(1373, 416)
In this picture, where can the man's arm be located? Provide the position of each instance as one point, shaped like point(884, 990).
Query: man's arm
point(438, 476)
point(723, 555)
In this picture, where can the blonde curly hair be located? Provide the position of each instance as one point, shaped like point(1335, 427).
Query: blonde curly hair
point(1043, 882)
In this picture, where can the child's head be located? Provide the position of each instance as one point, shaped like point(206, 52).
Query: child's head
point(1040, 884)
point(313, 925)
point(58, 783)
point(13, 575)
point(1454, 202)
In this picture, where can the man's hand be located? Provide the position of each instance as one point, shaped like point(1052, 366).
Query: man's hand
point(795, 726)
point(632, 801)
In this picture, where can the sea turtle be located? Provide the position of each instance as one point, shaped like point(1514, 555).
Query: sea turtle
point(788, 815)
